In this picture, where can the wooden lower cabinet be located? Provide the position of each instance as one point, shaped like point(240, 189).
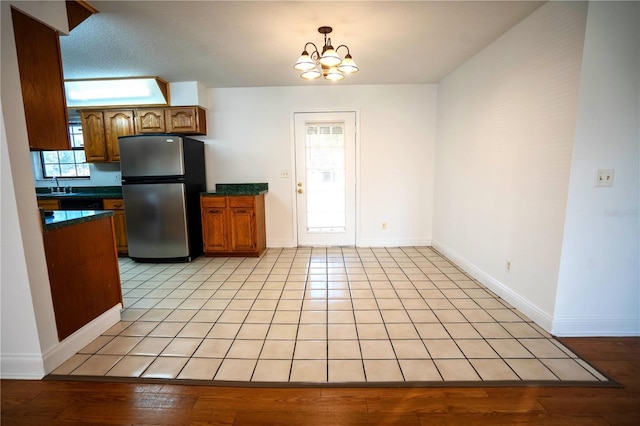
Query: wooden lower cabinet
point(233, 225)
point(49, 204)
point(119, 223)
point(83, 273)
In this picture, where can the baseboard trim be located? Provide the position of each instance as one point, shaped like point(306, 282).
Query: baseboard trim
point(393, 242)
point(22, 366)
point(281, 244)
point(595, 327)
point(538, 316)
point(64, 350)
point(368, 242)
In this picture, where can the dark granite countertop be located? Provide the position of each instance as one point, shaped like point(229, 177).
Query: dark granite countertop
point(224, 189)
point(83, 192)
point(62, 218)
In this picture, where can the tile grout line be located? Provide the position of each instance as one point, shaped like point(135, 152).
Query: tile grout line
point(388, 261)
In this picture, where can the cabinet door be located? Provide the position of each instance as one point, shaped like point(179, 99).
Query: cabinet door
point(117, 123)
point(214, 229)
point(95, 145)
point(242, 229)
point(185, 120)
point(40, 67)
point(150, 120)
point(119, 222)
point(49, 204)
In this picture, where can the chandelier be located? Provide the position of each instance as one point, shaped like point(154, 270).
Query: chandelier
point(328, 63)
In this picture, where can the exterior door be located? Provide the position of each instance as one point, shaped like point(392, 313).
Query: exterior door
point(325, 145)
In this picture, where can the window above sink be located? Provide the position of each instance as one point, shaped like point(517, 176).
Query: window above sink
point(69, 163)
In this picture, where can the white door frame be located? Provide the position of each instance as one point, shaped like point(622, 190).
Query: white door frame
point(292, 160)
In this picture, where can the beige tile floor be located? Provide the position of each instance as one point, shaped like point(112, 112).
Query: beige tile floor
point(321, 315)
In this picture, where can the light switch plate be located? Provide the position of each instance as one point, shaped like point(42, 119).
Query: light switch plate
point(604, 177)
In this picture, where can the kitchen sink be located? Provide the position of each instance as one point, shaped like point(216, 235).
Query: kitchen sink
point(56, 194)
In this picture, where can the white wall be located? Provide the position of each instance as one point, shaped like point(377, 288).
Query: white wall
point(250, 140)
point(20, 347)
point(506, 122)
point(26, 296)
point(29, 341)
point(599, 286)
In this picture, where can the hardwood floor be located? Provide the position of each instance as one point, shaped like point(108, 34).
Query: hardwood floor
point(65, 403)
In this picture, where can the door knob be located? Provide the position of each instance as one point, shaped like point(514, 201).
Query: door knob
point(300, 184)
point(300, 191)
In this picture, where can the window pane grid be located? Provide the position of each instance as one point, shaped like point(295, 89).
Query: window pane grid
point(68, 163)
point(325, 165)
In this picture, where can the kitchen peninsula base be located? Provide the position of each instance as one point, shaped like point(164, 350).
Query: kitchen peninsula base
point(83, 267)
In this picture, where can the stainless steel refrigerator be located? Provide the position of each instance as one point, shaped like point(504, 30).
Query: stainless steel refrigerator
point(162, 178)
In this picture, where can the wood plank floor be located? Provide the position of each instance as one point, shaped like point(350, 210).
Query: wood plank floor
point(66, 403)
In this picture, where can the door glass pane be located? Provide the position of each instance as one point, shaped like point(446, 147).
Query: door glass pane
point(325, 180)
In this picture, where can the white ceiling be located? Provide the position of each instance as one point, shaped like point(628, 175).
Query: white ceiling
point(255, 43)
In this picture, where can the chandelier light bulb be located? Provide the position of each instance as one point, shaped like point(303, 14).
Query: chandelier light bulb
point(334, 74)
point(312, 74)
point(348, 66)
point(330, 58)
point(305, 63)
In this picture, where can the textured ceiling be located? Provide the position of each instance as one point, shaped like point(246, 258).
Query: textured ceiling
point(255, 43)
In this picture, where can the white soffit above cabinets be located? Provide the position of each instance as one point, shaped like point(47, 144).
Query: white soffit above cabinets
point(116, 91)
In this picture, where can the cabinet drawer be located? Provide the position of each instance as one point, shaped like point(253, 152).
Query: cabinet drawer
point(113, 204)
point(49, 204)
point(213, 201)
point(241, 201)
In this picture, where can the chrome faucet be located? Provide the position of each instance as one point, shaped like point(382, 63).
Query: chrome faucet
point(56, 188)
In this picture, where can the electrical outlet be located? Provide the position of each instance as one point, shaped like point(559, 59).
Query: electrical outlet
point(383, 226)
point(604, 177)
point(118, 177)
point(508, 266)
point(284, 174)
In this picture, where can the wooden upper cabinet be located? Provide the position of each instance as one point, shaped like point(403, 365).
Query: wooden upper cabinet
point(42, 83)
point(77, 12)
point(190, 120)
point(150, 120)
point(101, 130)
point(95, 143)
point(117, 123)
